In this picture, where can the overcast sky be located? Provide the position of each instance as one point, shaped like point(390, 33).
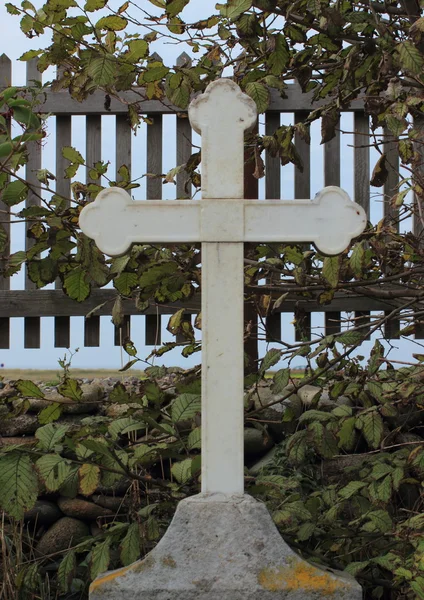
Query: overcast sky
point(107, 356)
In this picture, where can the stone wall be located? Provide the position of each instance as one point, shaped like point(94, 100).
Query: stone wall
point(57, 521)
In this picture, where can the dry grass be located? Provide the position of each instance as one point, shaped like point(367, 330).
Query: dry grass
point(55, 374)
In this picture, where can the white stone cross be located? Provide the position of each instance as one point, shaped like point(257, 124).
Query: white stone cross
point(222, 221)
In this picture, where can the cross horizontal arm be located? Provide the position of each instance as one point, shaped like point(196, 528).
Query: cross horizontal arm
point(115, 221)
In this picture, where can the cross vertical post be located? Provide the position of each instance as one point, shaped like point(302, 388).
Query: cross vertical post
point(221, 117)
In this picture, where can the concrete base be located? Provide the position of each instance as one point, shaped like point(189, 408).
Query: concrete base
point(223, 548)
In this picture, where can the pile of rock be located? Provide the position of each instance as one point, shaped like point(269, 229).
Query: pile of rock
point(58, 522)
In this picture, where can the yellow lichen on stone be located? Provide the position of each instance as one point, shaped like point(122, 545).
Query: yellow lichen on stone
point(109, 577)
point(136, 567)
point(300, 576)
point(168, 561)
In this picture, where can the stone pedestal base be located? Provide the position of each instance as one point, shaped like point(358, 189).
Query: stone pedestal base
point(223, 548)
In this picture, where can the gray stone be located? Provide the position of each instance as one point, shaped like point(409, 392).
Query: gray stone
point(90, 401)
point(18, 441)
point(82, 509)
point(66, 532)
point(256, 442)
point(114, 503)
point(308, 393)
point(119, 488)
point(265, 461)
point(7, 391)
point(19, 425)
point(43, 513)
point(223, 548)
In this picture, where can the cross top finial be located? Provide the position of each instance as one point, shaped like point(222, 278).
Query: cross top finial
point(222, 101)
point(221, 115)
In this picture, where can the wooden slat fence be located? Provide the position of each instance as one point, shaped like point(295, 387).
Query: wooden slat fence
point(34, 304)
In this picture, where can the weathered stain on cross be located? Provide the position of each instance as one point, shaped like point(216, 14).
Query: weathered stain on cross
point(222, 221)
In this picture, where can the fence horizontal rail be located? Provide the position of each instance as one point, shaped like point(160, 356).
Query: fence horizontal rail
point(54, 303)
point(61, 103)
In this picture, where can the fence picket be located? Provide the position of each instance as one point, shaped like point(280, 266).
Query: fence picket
point(154, 192)
point(361, 178)
point(5, 81)
point(93, 155)
point(418, 222)
point(332, 177)
point(63, 188)
point(32, 324)
point(391, 214)
point(302, 189)
point(272, 191)
point(123, 157)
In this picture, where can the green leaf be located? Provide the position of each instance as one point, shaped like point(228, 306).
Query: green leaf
point(50, 435)
point(89, 478)
point(129, 364)
point(379, 520)
point(119, 394)
point(30, 55)
point(6, 148)
point(53, 471)
point(50, 413)
point(371, 425)
point(354, 568)
point(112, 23)
point(102, 69)
point(297, 447)
point(410, 58)
point(152, 529)
point(4, 239)
point(100, 558)
point(185, 407)
point(14, 193)
point(174, 7)
point(323, 439)
point(98, 446)
point(125, 423)
point(182, 470)
point(234, 8)
point(280, 381)
point(24, 115)
point(137, 49)
point(92, 5)
point(125, 283)
point(66, 571)
point(315, 415)
point(18, 484)
point(71, 389)
point(69, 487)
point(194, 439)
point(356, 259)
point(157, 273)
point(330, 270)
point(180, 96)
point(155, 73)
point(270, 359)
point(28, 389)
point(260, 94)
point(75, 284)
point(279, 56)
point(130, 545)
point(352, 488)
point(72, 155)
point(385, 489)
point(350, 338)
point(346, 434)
point(305, 531)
